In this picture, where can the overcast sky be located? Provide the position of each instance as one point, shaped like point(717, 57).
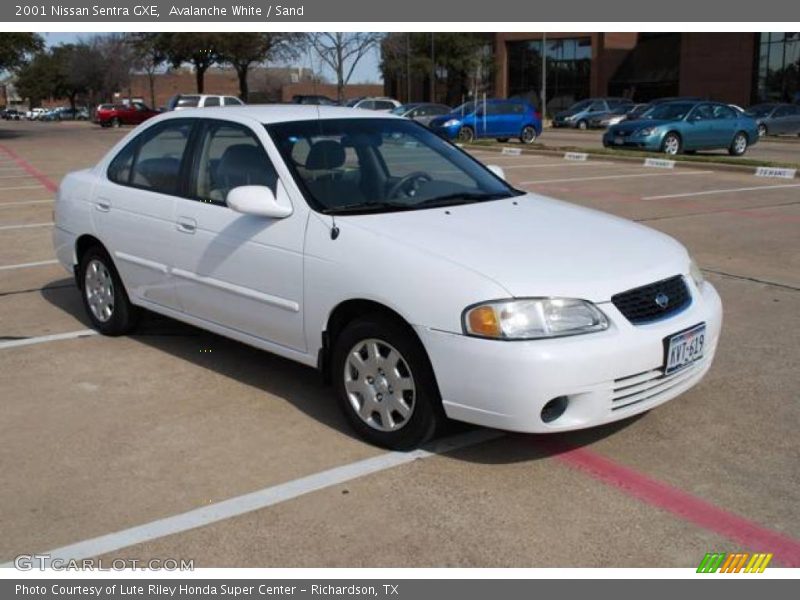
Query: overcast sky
point(367, 70)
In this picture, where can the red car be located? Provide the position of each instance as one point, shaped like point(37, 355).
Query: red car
point(114, 115)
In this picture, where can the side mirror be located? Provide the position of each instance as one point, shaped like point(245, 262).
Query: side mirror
point(497, 171)
point(259, 201)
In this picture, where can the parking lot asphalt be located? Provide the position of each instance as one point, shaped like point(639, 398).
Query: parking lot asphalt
point(174, 442)
point(783, 149)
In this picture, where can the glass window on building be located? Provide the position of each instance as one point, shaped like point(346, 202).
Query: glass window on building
point(778, 68)
point(568, 64)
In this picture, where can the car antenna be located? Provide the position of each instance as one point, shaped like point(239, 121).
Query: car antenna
point(334, 228)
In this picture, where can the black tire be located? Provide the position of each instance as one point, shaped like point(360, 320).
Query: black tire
point(666, 145)
point(762, 130)
point(466, 135)
point(528, 134)
point(426, 409)
point(123, 315)
point(582, 124)
point(739, 144)
point(502, 140)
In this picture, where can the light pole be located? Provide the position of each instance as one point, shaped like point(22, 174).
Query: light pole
point(544, 75)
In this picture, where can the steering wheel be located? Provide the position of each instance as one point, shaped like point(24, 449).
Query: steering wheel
point(407, 179)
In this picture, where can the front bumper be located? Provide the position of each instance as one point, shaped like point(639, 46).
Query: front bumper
point(634, 140)
point(607, 376)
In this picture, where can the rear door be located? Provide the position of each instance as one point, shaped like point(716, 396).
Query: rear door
point(699, 132)
point(242, 272)
point(135, 209)
point(726, 123)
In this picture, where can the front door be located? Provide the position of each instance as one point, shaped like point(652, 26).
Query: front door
point(240, 271)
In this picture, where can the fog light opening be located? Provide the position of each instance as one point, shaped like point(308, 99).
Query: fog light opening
point(554, 409)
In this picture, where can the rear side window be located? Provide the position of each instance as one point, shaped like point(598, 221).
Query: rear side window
point(152, 161)
point(383, 105)
point(212, 101)
point(231, 101)
point(724, 112)
point(188, 101)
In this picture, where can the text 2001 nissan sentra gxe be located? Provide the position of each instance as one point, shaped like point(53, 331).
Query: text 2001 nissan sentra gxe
point(422, 283)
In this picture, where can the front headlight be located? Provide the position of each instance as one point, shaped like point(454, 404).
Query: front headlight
point(696, 273)
point(647, 131)
point(533, 318)
point(450, 123)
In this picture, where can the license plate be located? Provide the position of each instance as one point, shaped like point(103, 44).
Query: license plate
point(685, 348)
point(619, 141)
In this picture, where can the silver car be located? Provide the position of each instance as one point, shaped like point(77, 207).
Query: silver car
point(775, 119)
point(422, 112)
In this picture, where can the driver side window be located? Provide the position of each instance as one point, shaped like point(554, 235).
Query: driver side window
point(230, 156)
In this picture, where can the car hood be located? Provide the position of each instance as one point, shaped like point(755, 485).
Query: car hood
point(535, 246)
point(628, 127)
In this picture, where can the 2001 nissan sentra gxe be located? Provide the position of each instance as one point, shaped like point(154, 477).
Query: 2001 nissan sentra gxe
point(418, 280)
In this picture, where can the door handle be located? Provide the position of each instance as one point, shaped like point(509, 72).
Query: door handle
point(103, 205)
point(186, 225)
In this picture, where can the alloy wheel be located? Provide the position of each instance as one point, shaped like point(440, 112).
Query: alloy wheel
point(379, 385)
point(99, 289)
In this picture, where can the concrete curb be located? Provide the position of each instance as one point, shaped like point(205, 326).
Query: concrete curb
point(679, 164)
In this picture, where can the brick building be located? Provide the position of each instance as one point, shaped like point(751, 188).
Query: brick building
point(741, 68)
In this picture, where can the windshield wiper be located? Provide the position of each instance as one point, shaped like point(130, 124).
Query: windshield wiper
point(461, 198)
point(367, 207)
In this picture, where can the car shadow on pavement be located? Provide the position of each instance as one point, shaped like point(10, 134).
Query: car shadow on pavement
point(303, 386)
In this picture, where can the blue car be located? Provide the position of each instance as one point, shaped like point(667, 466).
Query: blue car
point(499, 119)
point(686, 126)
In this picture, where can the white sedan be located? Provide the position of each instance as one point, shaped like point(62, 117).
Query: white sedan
point(420, 282)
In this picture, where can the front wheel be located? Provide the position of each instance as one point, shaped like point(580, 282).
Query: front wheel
point(582, 124)
point(528, 135)
point(385, 384)
point(671, 144)
point(738, 145)
point(466, 135)
point(104, 297)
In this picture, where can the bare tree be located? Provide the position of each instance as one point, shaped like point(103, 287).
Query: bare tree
point(242, 50)
point(342, 52)
point(148, 56)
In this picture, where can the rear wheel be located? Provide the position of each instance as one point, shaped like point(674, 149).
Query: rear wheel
point(466, 135)
point(104, 297)
point(738, 145)
point(671, 144)
point(385, 384)
point(528, 135)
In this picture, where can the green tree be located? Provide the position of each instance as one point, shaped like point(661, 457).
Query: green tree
point(243, 50)
point(148, 57)
point(36, 79)
point(201, 50)
point(16, 48)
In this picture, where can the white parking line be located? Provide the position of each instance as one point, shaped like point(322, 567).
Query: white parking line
point(728, 191)
point(26, 226)
point(261, 499)
point(21, 187)
point(14, 176)
point(2, 204)
point(27, 265)
point(626, 176)
point(56, 337)
point(560, 164)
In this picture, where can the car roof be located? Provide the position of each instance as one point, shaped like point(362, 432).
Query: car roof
point(277, 113)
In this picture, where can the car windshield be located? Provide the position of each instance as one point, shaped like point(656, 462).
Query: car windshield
point(465, 109)
point(579, 106)
point(401, 110)
point(381, 165)
point(670, 111)
point(760, 110)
